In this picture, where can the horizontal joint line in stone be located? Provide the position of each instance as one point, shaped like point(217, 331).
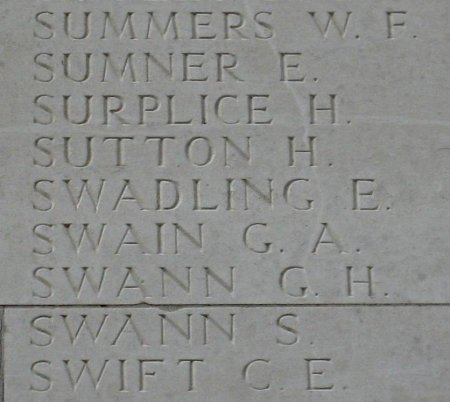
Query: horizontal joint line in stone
point(212, 305)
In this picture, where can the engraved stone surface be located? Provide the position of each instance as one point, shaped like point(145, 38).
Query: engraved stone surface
point(228, 354)
point(225, 200)
point(224, 152)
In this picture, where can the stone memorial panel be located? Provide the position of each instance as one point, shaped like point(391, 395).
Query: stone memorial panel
point(222, 200)
point(224, 152)
point(308, 353)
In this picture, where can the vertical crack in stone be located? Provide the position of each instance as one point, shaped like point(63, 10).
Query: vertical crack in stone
point(2, 352)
